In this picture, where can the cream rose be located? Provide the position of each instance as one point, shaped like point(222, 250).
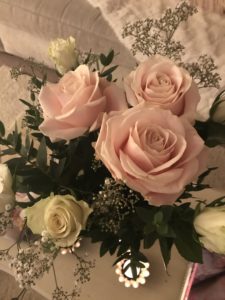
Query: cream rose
point(63, 54)
point(63, 217)
point(153, 151)
point(6, 193)
point(76, 104)
point(161, 83)
point(210, 225)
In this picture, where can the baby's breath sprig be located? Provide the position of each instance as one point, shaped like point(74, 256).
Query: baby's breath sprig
point(83, 268)
point(203, 72)
point(112, 204)
point(82, 275)
point(6, 219)
point(155, 36)
point(33, 262)
point(60, 294)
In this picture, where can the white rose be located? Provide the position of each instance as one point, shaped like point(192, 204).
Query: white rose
point(63, 54)
point(6, 193)
point(62, 216)
point(217, 112)
point(210, 224)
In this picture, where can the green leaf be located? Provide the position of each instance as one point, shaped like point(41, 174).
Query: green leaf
point(205, 174)
point(165, 230)
point(15, 139)
point(2, 129)
point(122, 248)
point(61, 166)
point(26, 103)
point(110, 244)
point(87, 59)
point(110, 56)
point(145, 214)
point(106, 60)
point(32, 96)
point(139, 256)
point(7, 152)
point(24, 204)
point(215, 134)
point(216, 103)
point(149, 228)
point(103, 59)
point(167, 211)
point(149, 240)
point(15, 163)
point(32, 152)
point(108, 71)
point(42, 155)
point(186, 244)
point(109, 77)
point(197, 209)
point(165, 246)
point(104, 248)
point(113, 248)
point(162, 229)
point(158, 218)
point(218, 202)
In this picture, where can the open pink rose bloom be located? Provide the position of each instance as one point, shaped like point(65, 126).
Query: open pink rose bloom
point(151, 150)
point(161, 83)
point(76, 103)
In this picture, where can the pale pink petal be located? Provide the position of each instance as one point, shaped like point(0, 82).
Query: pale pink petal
point(56, 130)
point(191, 98)
point(83, 116)
point(49, 100)
point(139, 157)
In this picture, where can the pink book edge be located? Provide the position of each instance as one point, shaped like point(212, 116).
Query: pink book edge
point(189, 278)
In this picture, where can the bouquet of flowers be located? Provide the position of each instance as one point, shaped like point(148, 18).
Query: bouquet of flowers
point(118, 165)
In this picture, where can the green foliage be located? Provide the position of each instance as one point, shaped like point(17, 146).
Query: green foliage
point(107, 59)
point(219, 100)
point(212, 133)
point(2, 129)
point(217, 202)
point(99, 63)
point(171, 225)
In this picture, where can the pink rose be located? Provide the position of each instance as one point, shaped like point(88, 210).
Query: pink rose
point(151, 150)
point(76, 103)
point(161, 83)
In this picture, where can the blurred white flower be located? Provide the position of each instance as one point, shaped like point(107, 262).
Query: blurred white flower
point(210, 225)
point(63, 54)
point(6, 193)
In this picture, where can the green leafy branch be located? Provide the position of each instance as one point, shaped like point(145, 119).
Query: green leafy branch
point(212, 133)
point(171, 225)
point(100, 62)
